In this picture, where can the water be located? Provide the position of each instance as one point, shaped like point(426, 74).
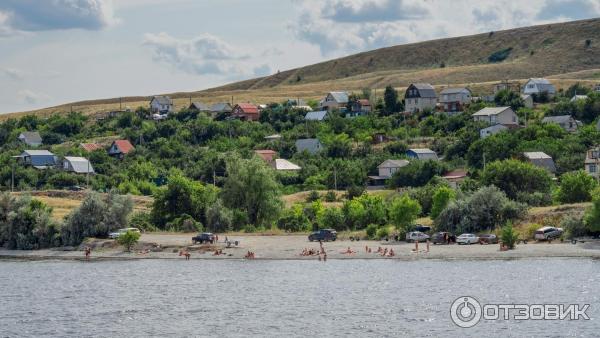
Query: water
point(339, 298)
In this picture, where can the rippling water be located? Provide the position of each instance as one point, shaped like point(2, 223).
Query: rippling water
point(339, 298)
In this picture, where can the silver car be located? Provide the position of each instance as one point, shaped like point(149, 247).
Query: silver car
point(416, 236)
point(467, 239)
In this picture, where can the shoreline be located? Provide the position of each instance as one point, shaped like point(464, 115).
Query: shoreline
point(288, 248)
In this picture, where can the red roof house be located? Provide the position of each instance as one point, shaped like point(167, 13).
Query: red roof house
point(89, 147)
point(267, 155)
point(245, 111)
point(120, 148)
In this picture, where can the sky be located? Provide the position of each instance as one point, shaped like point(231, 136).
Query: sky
point(58, 51)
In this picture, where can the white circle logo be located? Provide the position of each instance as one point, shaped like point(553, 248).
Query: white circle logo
point(465, 312)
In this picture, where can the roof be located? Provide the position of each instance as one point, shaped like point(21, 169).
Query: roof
point(454, 174)
point(265, 151)
point(455, 91)
point(393, 164)
point(89, 147)
point(496, 126)
point(316, 115)
point(311, 145)
point(124, 146)
point(162, 99)
point(541, 159)
point(220, 107)
point(339, 97)
point(281, 164)
point(248, 108)
point(578, 97)
point(539, 80)
point(488, 111)
point(31, 137)
point(425, 89)
point(364, 102)
point(560, 119)
point(199, 106)
point(273, 137)
point(80, 165)
point(38, 153)
point(422, 151)
point(423, 154)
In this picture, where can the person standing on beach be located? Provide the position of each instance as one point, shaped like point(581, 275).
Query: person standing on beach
point(87, 252)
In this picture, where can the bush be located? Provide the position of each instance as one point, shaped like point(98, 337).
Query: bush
point(417, 173)
point(576, 187)
point(128, 239)
point(142, 221)
point(514, 177)
point(312, 196)
point(354, 191)
point(403, 211)
point(509, 236)
point(249, 228)
point(592, 215)
point(184, 223)
point(500, 55)
point(573, 226)
point(383, 232)
point(442, 196)
point(371, 230)
point(219, 218)
point(332, 218)
point(330, 196)
point(293, 219)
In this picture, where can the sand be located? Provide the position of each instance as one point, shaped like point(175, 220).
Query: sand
point(167, 246)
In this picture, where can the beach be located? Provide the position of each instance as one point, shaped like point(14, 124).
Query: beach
point(289, 247)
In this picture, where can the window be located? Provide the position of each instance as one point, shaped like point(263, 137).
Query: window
point(514, 118)
point(530, 86)
point(593, 168)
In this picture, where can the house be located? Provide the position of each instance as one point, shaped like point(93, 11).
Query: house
point(492, 130)
point(507, 85)
point(495, 115)
point(566, 122)
point(89, 147)
point(576, 98)
point(273, 137)
point(120, 148)
point(386, 170)
point(418, 97)
point(359, 108)
point(527, 100)
point(30, 138)
point(454, 99)
point(161, 105)
point(597, 88)
point(538, 86)
point(220, 108)
point(422, 154)
point(245, 112)
point(316, 115)
point(78, 165)
point(311, 145)
point(39, 159)
point(285, 165)
point(335, 100)
point(592, 162)
point(455, 177)
point(541, 159)
point(199, 106)
point(266, 154)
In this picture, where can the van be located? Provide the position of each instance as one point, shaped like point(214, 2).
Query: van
point(548, 233)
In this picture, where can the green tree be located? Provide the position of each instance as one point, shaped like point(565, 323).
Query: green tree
point(417, 173)
point(442, 196)
point(509, 236)
point(251, 186)
point(576, 186)
point(507, 97)
point(592, 215)
point(332, 218)
point(25, 223)
point(390, 99)
point(128, 239)
point(515, 177)
point(403, 211)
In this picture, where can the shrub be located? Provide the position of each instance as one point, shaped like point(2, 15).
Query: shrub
point(383, 232)
point(417, 173)
point(442, 196)
point(219, 218)
point(354, 191)
point(128, 239)
point(293, 219)
point(25, 224)
point(249, 228)
point(403, 211)
point(312, 196)
point(184, 223)
point(330, 196)
point(509, 236)
point(332, 218)
point(592, 215)
point(573, 226)
point(500, 55)
point(142, 221)
point(371, 230)
point(576, 187)
point(514, 177)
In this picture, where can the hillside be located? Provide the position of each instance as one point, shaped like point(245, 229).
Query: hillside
point(567, 52)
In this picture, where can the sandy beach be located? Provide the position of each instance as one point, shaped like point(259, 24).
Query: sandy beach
point(167, 246)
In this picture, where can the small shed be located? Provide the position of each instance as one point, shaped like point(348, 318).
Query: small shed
point(285, 165)
point(422, 154)
point(31, 138)
point(541, 159)
point(78, 165)
point(316, 115)
point(311, 145)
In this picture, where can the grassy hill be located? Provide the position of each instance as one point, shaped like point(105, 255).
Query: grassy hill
point(565, 52)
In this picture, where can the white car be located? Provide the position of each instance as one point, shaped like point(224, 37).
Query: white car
point(467, 239)
point(116, 234)
point(548, 233)
point(416, 236)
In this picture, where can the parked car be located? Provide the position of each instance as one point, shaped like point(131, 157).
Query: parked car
point(467, 239)
point(416, 236)
point(422, 228)
point(488, 239)
point(204, 237)
point(324, 235)
point(443, 238)
point(548, 233)
point(118, 233)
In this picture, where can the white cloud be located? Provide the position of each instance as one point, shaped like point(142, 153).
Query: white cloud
point(33, 15)
point(13, 73)
point(30, 97)
point(339, 27)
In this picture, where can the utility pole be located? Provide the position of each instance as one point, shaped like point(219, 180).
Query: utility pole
point(120, 103)
point(12, 179)
point(335, 178)
point(87, 175)
point(484, 160)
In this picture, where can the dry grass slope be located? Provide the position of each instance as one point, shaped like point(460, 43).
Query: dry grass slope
point(558, 51)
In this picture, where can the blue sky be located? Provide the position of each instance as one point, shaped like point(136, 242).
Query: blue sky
point(59, 51)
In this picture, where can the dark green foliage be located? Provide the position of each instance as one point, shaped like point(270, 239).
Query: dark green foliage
point(508, 98)
point(417, 173)
point(500, 55)
point(576, 186)
point(390, 99)
point(509, 236)
point(514, 177)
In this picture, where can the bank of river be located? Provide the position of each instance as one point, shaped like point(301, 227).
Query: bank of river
point(272, 298)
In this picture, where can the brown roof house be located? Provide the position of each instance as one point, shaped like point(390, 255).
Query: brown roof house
point(266, 154)
point(455, 177)
point(359, 108)
point(120, 148)
point(245, 112)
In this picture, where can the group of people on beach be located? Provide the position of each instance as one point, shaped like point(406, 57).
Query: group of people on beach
point(249, 255)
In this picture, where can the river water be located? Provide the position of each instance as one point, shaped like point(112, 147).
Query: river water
point(339, 298)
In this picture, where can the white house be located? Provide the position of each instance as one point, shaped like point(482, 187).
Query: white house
point(335, 100)
point(492, 130)
point(538, 86)
point(161, 104)
point(389, 167)
point(453, 99)
point(418, 97)
point(592, 161)
point(497, 115)
point(78, 165)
